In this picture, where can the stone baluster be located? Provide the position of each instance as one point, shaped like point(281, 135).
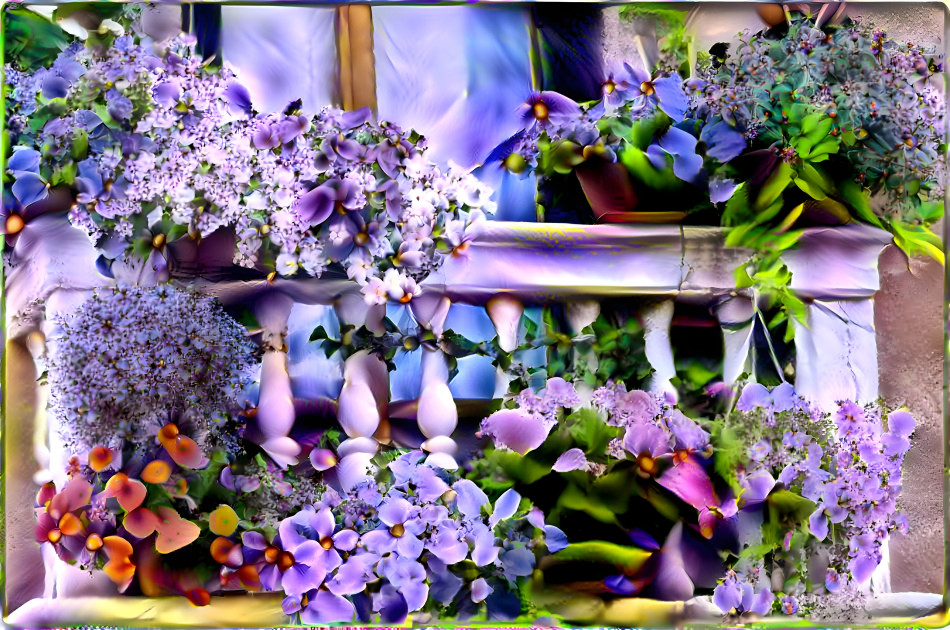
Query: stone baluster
point(736, 317)
point(437, 415)
point(657, 319)
point(361, 410)
point(275, 407)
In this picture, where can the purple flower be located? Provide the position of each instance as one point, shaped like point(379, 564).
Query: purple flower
point(681, 146)
point(546, 108)
point(647, 442)
point(408, 577)
point(665, 92)
point(789, 605)
point(29, 186)
point(316, 206)
point(832, 581)
point(398, 531)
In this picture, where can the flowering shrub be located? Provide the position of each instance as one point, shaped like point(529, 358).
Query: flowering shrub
point(154, 145)
point(804, 483)
point(131, 359)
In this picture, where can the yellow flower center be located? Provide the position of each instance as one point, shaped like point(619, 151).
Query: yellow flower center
point(541, 111)
point(397, 530)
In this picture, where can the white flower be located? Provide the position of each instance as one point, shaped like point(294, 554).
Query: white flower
point(287, 264)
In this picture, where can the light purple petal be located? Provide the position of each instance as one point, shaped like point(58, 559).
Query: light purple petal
point(573, 459)
point(29, 188)
point(254, 540)
point(345, 539)
point(862, 567)
point(409, 546)
point(395, 511)
point(784, 397)
point(900, 423)
point(480, 590)
point(327, 607)
point(324, 523)
point(753, 395)
point(322, 459)
point(301, 578)
point(24, 160)
point(470, 498)
point(505, 507)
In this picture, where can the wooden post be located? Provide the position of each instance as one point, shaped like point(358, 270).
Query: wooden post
point(357, 64)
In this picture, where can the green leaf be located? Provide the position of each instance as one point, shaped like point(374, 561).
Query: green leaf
point(65, 174)
point(590, 432)
point(795, 307)
point(860, 201)
point(80, 146)
point(572, 498)
point(816, 178)
point(917, 240)
point(788, 503)
point(774, 186)
point(737, 209)
point(627, 559)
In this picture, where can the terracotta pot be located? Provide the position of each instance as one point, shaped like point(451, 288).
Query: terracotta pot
point(610, 192)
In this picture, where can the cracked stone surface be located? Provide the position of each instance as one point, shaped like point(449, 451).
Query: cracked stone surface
point(910, 336)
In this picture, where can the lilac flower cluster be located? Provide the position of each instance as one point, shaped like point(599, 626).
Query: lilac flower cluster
point(848, 465)
point(415, 539)
point(133, 358)
point(148, 139)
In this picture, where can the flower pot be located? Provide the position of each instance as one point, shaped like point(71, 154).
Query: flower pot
point(610, 192)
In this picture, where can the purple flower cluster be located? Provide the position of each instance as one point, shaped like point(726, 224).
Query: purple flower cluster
point(525, 428)
point(133, 358)
point(395, 546)
point(148, 139)
point(848, 465)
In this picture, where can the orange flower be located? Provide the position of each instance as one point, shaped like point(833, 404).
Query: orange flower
point(129, 492)
point(99, 458)
point(156, 472)
point(119, 568)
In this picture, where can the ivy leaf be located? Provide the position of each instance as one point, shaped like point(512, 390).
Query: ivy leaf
point(860, 201)
point(590, 432)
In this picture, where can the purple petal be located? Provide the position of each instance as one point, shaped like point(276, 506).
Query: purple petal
point(721, 190)
point(671, 96)
point(818, 524)
point(518, 562)
point(862, 567)
point(554, 538)
point(349, 120)
point(166, 93)
point(753, 395)
point(55, 87)
point(784, 397)
point(29, 188)
point(643, 540)
point(26, 160)
point(727, 596)
point(238, 98)
point(757, 486)
point(322, 459)
point(316, 206)
point(379, 541)
point(395, 511)
point(301, 578)
point(409, 546)
point(326, 607)
point(345, 539)
point(672, 583)
point(689, 481)
point(254, 540)
point(516, 430)
point(324, 523)
point(900, 423)
point(505, 507)
point(485, 551)
point(480, 590)
point(723, 142)
point(646, 438)
point(559, 105)
point(290, 605)
point(470, 498)
point(226, 479)
point(573, 459)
